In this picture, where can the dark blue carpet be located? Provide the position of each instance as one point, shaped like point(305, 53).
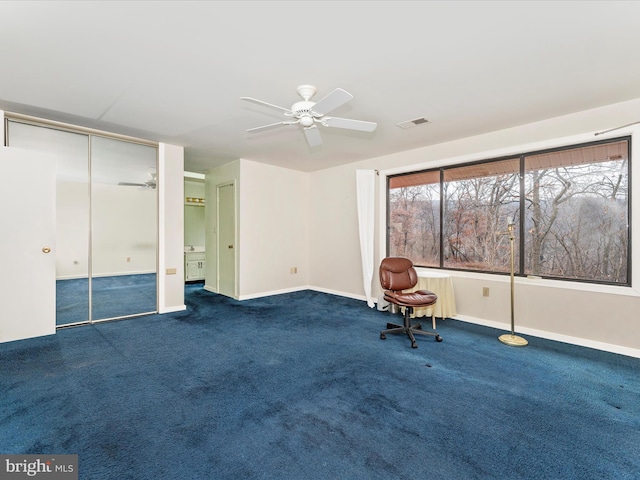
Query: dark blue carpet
point(299, 386)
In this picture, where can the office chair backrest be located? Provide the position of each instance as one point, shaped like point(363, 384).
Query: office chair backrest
point(397, 273)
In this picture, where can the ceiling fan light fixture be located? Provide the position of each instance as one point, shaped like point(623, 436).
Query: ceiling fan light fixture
point(306, 120)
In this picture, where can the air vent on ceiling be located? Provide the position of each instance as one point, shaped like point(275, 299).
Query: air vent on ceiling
point(413, 123)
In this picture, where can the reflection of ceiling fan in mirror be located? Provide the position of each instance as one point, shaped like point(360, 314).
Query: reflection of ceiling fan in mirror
point(151, 183)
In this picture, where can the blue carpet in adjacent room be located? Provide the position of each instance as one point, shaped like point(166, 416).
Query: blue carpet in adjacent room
point(299, 386)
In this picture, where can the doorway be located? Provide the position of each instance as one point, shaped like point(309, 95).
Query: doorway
point(194, 228)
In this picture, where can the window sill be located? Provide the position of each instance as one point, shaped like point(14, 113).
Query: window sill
point(541, 282)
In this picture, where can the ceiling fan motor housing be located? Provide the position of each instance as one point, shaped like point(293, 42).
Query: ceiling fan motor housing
point(303, 112)
point(302, 108)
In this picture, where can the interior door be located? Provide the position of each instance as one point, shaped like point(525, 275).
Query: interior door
point(27, 244)
point(72, 212)
point(226, 240)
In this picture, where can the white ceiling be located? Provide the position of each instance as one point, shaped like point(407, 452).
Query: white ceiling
point(175, 71)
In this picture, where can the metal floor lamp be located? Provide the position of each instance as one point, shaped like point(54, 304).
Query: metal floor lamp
point(512, 339)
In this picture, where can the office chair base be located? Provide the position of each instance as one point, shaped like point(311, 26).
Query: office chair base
point(409, 333)
point(408, 329)
point(417, 326)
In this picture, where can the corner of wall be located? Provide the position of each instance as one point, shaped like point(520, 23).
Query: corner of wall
point(170, 228)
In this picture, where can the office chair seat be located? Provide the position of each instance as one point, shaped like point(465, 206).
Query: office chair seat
point(419, 298)
point(397, 274)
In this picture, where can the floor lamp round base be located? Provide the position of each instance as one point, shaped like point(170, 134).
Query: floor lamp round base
point(513, 340)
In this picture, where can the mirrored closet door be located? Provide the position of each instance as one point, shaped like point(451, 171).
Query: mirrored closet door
point(123, 228)
point(106, 221)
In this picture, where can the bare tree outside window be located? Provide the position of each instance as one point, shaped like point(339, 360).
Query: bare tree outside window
point(414, 223)
point(478, 199)
point(575, 218)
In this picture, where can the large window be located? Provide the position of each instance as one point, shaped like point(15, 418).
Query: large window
point(570, 208)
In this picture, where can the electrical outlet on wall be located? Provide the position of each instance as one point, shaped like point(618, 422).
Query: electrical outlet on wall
point(485, 291)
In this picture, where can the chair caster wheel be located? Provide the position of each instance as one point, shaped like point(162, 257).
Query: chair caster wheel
point(438, 338)
point(382, 336)
point(414, 345)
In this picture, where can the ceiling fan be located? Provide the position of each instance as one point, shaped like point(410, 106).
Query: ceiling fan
point(151, 183)
point(309, 114)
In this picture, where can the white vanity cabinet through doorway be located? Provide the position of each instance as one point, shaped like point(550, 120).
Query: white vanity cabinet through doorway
point(194, 266)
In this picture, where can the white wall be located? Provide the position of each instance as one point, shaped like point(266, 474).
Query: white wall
point(273, 234)
point(334, 240)
point(194, 188)
point(72, 230)
point(596, 316)
point(124, 227)
point(170, 228)
point(274, 229)
point(124, 230)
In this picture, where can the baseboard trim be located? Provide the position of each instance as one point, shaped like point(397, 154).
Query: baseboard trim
point(273, 292)
point(340, 294)
point(582, 342)
point(209, 289)
point(300, 289)
point(178, 308)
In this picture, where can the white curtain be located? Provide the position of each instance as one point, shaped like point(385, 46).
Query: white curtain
point(365, 182)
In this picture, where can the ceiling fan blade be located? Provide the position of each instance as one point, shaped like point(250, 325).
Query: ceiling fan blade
point(271, 125)
point(349, 123)
point(332, 101)
point(313, 136)
point(260, 102)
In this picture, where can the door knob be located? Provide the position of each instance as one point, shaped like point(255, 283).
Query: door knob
point(230, 246)
point(46, 249)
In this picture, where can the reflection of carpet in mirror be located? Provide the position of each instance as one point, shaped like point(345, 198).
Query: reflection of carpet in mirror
point(113, 296)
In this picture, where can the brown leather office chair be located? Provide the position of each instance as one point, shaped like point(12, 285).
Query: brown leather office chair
point(397, 274)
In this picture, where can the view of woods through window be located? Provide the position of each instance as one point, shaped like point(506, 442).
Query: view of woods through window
point(569, 207)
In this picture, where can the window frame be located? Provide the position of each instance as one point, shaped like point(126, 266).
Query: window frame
point(522, 154)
